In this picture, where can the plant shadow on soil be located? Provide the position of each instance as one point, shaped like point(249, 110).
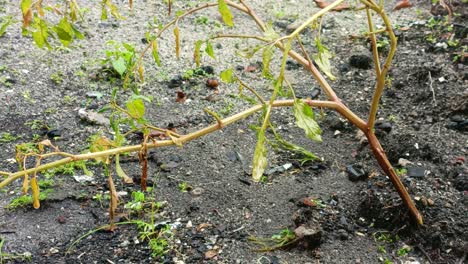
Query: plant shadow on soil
point(224, 207)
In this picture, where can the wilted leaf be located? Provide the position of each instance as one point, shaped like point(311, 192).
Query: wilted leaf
point(211, 254)
point(225, 13)
point(136, 108)
point(226, 76)
point(3, 26)
point(322, 4)
point(266, 59)
point(322, 59)
point(120, 172)
point(305, 119)
point(177, 41)
point(155, 52)
point(25, 184)
point(196, 52)
point(27, 12)
point(114, 199)
point(101, 143)
point(35, 193)
point(306, 155)
point(270, 34)
point(209, 50)
point(39, 9)
point(119, 65)
point(130, 3)
point(260, 159)
point(141, 72)
point(181, 97)
point(402, 4)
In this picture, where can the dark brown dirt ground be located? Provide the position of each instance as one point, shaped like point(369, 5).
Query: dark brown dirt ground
point(423, 118)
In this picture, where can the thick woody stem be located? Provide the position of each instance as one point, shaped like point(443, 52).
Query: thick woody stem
point(388, 169)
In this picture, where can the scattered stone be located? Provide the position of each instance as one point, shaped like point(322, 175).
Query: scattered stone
point(383, 126)
point(125, 243)
point(169, 166)
point(212, 83)
point(342, 234)
point(211, 254)
point(93, 117)
point(457, 122)
point(336, 133)
point(360, 61)
point(356, 172)
point(361, 137)
point(176, 82)
point(53, 250)
point(54, 133)
point(197, 191)
point(94, 94)
point(404, 162)
point(61, 219)
point(207, 70)
point(416, 172)
point(310, 236)
point(314, 94)
point(83, 178)
point(440, 46)
point(279, 169)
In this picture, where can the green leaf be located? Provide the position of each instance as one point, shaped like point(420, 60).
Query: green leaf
point(155, 52)
point(64, 31)
point(177, 41)
point(3, 26)
point(260, 159)
point(270, 34)
point(226, 76)
point(305, 119)
point(196, 52)
point(225, 13)
point(266, 58)
point(322, 59)
point(103, 12)
point(41, 34)
point(209, 50)
point(119, 65)
point(306, 155)
point(136, 108)
point(77, 33)
point(25, 5)
point(120, 172)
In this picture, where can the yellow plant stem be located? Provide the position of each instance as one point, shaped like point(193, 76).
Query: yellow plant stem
point(136, 148)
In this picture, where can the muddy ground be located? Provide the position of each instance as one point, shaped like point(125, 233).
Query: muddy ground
point(423, 119)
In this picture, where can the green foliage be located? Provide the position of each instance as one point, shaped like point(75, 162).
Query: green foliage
point(57, 77)
point(305, 119)
point(4, 23)
point(68, 169)
point(27, 200)
point(6, 137)
point(322, 58)
point(401, 171)
point(403, 251)
point(225, 13)
point(184, 187)
point(122, 58)
point(137, 203)
point(7, 257)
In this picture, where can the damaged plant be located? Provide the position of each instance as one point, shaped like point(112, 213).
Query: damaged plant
point(107, 151)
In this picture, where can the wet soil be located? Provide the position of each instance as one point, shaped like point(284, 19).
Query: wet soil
point(422, 119)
